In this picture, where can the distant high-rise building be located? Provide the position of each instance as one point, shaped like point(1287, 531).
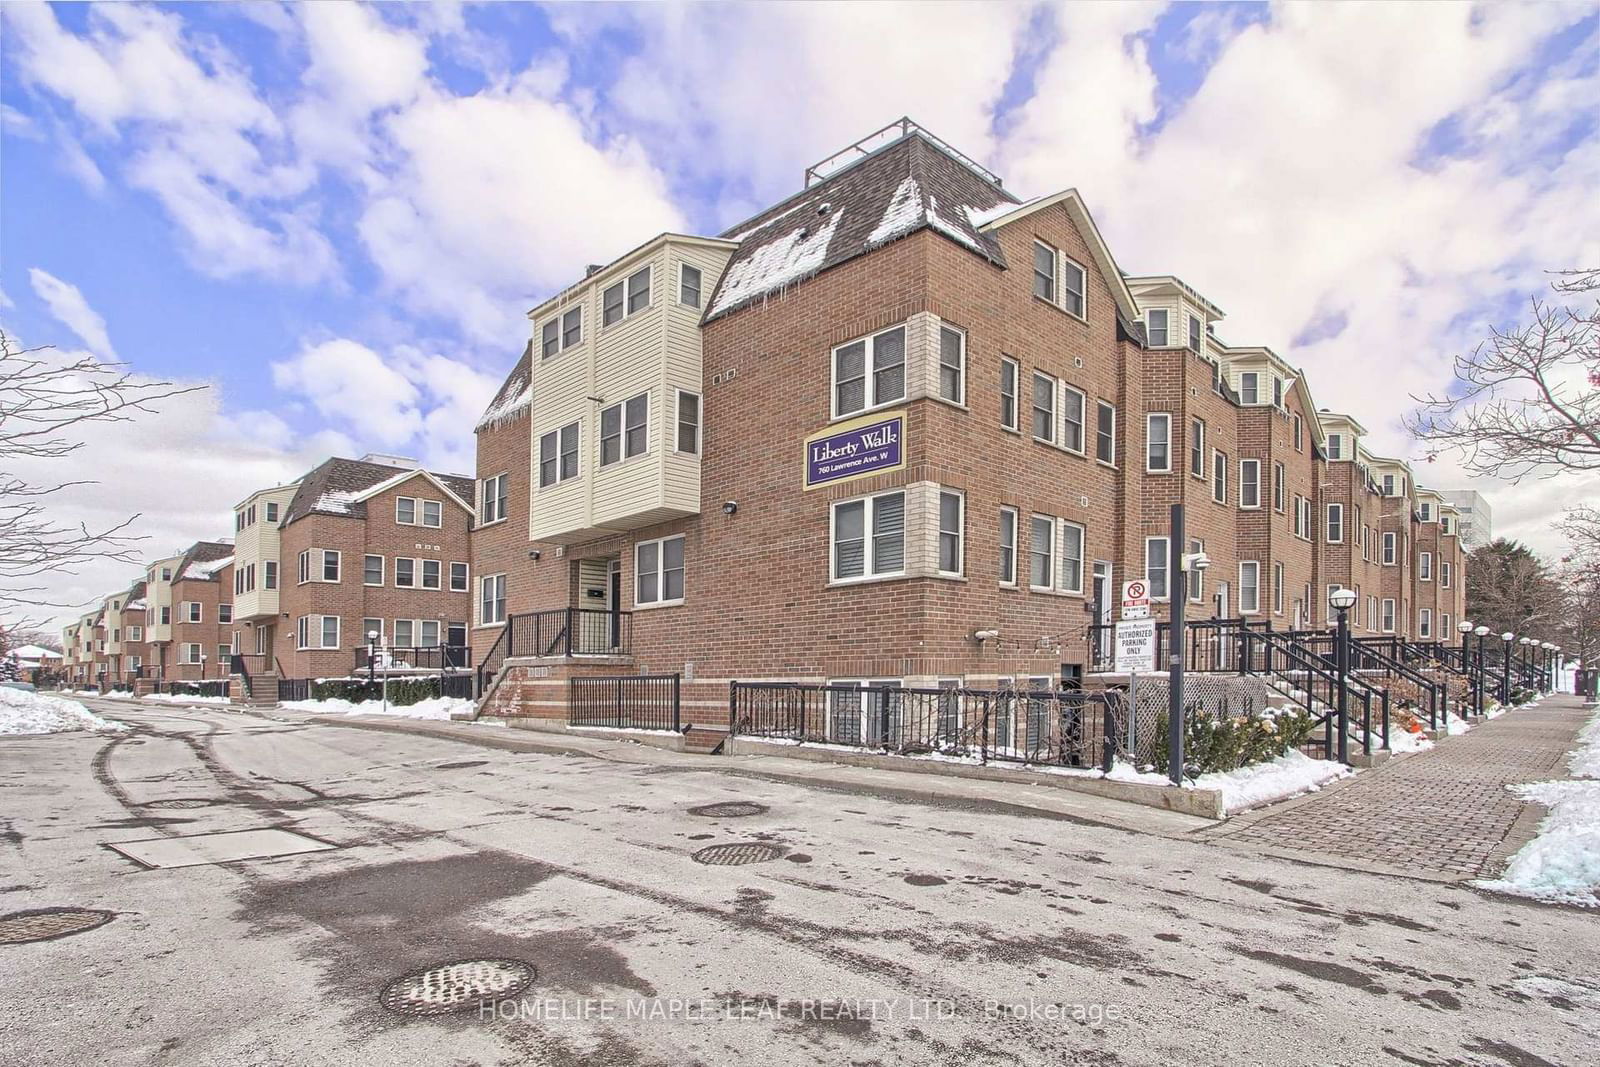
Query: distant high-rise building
point(1477, 518)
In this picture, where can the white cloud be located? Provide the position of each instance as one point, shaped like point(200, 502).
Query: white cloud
point(69, 307)
point(349, 382)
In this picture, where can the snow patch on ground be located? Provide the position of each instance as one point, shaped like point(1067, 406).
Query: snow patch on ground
point(1287, 776)
point(22, 712)
point(439, 708)
point(1562, 863)
point(176, 698)
point(1406, 741)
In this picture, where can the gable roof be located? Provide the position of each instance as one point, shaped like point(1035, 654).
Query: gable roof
point(909, 185)
point(203, 560)
point(342, 486)
point(515, 396)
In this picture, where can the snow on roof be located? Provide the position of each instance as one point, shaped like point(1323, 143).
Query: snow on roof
point(776, 264)
point(135, 605)
point(34, 652)
point(206, 568)
point(903, 213)
point(337, 501)
point(510, 403)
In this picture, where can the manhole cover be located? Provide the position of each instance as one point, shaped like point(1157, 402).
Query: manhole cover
point(458, 986)
point(738, 855)
point(729, 809)
point(45, 924)
point(181, 802)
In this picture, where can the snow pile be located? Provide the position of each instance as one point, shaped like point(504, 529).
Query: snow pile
point(22, 712)
point(175, 698)
point(777, 263)
point(1406, 741)
point(1454, 726)
point(1289, 775)
point(436, 708)
point(1562, 863)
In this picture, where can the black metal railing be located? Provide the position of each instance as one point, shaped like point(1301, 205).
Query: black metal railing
point(1316, 678)
point(1074, 728)
point(1376, 657)
point(294, 689)
point(424, 659)
point(631, 702)
point(1210, 646)
point(492, 660)
point(246, 665)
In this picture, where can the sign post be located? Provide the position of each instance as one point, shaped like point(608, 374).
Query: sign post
point(1136, 651)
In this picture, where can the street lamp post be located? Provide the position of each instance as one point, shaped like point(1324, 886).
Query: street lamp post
point(1526, 643)
point(1342, 600)
point(1480, 632)
point(1505, 668)
point(1466, 651)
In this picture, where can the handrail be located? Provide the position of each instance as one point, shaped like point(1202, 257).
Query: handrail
point(1366, 653)
point(1321, 681)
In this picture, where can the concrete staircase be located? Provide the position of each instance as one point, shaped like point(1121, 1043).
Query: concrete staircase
point(262, 691)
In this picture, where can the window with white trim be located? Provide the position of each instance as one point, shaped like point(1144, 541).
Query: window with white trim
point(1249, 387)
point(868, 537)
point(491, 599)
point(1197, 448)
point(1155, 566)
point(1425, 623)
point(1008, 546)
point(1335, 444)
point(405, 510)
point(1425, 567)
point(1425, 511)
point(1249, 483)
point(1158, 442)
point(1388, 485)
point(1299, 431)
point(558, 455)
point(224, 612)
point(193, 611)
point(372, 570)
point(1105, 433)
point(1444, 574)
point(1069, 571)
point(1280, 503)
point(688, 422)
point(1072, 410)
point(405, 633)
point(493, 494)
point(869, 372)
point(1074, 288)
point(1044, 271)
point(1277, 587)
point(135, 633)
point(658, 571)
point(951, 523)
point(688, 285)
point(1156, 326)
point(625, 430)
point(269, 574)
point(1388, 616)
point(1335, 532)
point(405, 573)
point(1219, 476)
point(1194, 333)
point(1445, 629)
point(1041, 552)
point(1249, 587)
point(952, 365)
point(1388, 549)
point(193, 652)
point(1197, 579)
point(430, 574)
point(1010, 375)
point(317, 631)
point(458, 578)
point(1044, 407)
point(433, 514)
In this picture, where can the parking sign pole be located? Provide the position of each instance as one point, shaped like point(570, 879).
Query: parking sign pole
point(1177, 593)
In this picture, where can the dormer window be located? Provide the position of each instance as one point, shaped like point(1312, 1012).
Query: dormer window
point(1388, 485)
point(1335, 445)
point(1249, 387)
point(1194, 333)
point(1155, 325)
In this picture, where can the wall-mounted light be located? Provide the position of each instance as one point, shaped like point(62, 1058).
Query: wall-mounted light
point(981, 636)
point(730, 506)
point(534, 555)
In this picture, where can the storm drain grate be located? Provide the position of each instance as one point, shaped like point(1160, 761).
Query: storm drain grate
point(737, 855)
point(46, 924)
point(729, 809)
point(458, 986)
point(182, 802)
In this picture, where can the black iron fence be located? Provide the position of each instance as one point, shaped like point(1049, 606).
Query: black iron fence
point(632, 702)
point(1211, 646)
point(294, 689)
point(1073, 728)
point(423, 659)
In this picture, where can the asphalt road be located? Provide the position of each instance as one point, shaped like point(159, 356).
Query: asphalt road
point(886, 931)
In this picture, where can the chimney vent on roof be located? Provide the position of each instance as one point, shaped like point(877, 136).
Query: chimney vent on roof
point(383, 459)
point(592, 269)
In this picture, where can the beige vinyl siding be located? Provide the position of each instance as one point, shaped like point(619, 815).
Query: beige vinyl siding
point(593, 574)
point(158, 594)
point(255, 544)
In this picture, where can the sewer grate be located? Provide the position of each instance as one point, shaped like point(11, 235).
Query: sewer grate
point(181, 802)
point(738, 855)
point(460, 985)
point(729, 809)
point(47, 924)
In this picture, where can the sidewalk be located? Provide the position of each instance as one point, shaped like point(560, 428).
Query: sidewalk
point(1444, 814)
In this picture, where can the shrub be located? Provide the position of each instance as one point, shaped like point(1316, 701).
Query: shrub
point(1226, 741)
point(402, 691)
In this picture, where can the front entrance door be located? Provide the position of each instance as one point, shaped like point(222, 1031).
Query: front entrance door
point(614, 598)
point(1102, 593)
point(456, 640)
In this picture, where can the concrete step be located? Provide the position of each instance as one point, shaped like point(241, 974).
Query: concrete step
point(706, 740)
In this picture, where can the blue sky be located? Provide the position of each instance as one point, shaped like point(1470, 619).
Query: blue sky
point(339, 214)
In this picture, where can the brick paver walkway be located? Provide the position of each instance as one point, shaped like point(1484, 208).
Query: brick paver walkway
point(1445, 813)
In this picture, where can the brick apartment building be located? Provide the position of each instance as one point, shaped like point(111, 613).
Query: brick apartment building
point(1028, 413)
point(192, 639)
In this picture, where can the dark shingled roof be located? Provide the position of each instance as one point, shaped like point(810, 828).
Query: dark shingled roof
point(328, 487)
point(910, 185)
point(515, 396)
point(201, 552)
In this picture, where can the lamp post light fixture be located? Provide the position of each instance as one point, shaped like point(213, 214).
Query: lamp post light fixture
point(1480, 632)
point(1505, 668)
point(1526, 643)
point(1465, 629)
point(1342, 600)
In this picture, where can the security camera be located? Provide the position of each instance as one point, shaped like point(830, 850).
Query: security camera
point(730, 506)
point(1196, 561)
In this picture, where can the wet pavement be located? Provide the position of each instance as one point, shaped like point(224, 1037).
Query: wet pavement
point(851, 925)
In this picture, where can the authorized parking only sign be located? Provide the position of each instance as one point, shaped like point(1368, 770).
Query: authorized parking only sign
point(1136, 646)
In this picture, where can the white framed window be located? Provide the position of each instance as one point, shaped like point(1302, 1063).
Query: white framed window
point(1280, 501)
point(688, 285)
point(952, 365)
point(135, 633)
point(405, 510)
point(458, 578)
point(1249, 483)
point(688, 437)
point(625, 430)
point(193, 652)
point(1155, 566)
point(1069, 572)
point(1044, 407)
point(317, 631)
point(1249, 387)
point(1425, 511)
point(224, 612)
point(1059, 280)
point(1425, 623)
point(1389, 556)
point(1195, 331)
point(1041, 552)
point(1197, 579)
point(372, 631)
point(193, 611)
point(658, 571)
point(1425, 567)
point(1445, 629)
point(952, 520)
point(1219, 476)
point(1335, 445)
point(1277, 588)
point(372, 570)
point(1197, 447)
point(625, 297)
point(1105, 433)
point(1010, 375)
point(869, 372)
point(1388, 485)
point(405, 573)
point(1387, 619)
point(1335, 533)
point(1008, 546)
point(493, 494)
point(1444, 574)
point(558, 455)
point(869, 537)
point(1073, 403)
point(431, 577)
point(1044, 271)
point(1158, 442)
point(433, 513)
point(1372, 613)
point(1156, 326)
point(405, 633)
point(550, 338)
point(1298, 429)
point(1074, 288)
point(491, 599)
point(269, 574)
point(1249, 587)
point(572, 327)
